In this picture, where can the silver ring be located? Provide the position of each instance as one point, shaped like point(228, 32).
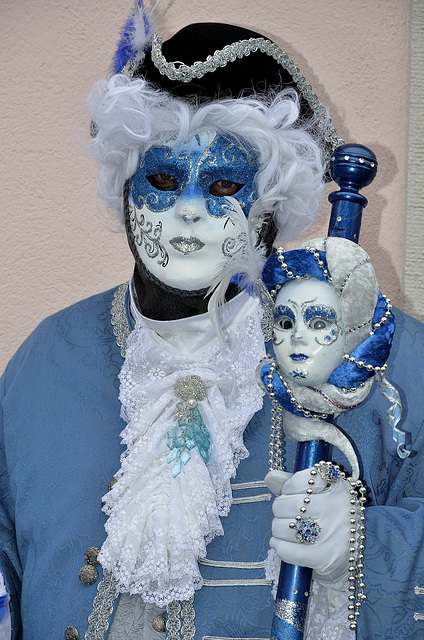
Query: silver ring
point(330, 472)
point(307, 530)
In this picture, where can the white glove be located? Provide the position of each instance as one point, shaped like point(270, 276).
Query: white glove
point(329, 507)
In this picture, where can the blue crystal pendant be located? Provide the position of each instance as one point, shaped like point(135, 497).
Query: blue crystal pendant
point(190, 430)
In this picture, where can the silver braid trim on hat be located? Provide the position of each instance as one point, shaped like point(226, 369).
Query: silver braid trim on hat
point(180, 71)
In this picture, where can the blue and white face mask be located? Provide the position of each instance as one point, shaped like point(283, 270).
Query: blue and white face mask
point(309, 341)
point(178, 212)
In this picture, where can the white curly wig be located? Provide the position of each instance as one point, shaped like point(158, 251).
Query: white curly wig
point(131, 116)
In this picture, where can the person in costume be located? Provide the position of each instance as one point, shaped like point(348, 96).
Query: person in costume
point(162, 406)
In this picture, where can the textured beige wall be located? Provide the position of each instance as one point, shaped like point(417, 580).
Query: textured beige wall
point(55, 247)
point(413, 272)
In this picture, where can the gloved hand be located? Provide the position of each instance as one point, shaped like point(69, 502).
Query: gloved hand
point(329, 505)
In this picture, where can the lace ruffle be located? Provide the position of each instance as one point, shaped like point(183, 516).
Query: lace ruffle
point(326, 618)
point(159, 525)
point(272, 570)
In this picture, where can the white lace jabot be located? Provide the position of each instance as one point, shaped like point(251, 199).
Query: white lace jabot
point(159, 524)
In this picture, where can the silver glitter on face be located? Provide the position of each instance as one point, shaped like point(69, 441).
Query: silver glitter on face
point(186, 245)
point(232, 245)
point(147, 236)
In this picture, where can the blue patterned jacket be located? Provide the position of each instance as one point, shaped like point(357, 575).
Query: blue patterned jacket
point(60, 446)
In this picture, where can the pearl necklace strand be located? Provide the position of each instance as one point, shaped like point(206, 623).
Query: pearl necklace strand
point(333, 474)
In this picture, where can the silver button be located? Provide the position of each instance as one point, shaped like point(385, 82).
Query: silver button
point(90, 556)
point(88, 574)
point(159, 623)
point(71, 633)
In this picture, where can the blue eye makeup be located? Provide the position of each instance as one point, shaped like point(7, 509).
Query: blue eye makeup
point(284, 318)
point(222, 168)
point(318, 317)
point(160, 161)
point(225, 160)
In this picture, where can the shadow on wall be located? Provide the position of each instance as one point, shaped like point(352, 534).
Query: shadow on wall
point(378, 207)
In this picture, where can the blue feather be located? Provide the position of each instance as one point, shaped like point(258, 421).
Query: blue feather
point(130, 32)
point(125, 50)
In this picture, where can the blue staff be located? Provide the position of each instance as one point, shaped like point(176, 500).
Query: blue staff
point(352, 167)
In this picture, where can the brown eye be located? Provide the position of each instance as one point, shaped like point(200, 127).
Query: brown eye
point(224, 188)
point(163, 182)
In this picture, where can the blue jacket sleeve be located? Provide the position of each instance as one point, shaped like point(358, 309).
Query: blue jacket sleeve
point(394, 572)
point(394, 545)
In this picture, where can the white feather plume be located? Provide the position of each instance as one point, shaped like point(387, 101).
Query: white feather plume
point(247, 262)
point(143, 29)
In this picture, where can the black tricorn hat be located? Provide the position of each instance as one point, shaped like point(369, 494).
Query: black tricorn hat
point(210, 60)
point(256, 72)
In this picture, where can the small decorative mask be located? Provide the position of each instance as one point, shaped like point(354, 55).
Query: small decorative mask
point(308, 339)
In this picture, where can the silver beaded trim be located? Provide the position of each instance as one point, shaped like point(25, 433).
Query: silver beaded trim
point(320, 262)
point(270, 390)
point(98, 620)
point(227, 564)
point(357, 501)
point(254, 484)
point(276, 443)
point(356, 541)
point(180, 620)
point(263, 497)
point(119, 318)
point(258, 582)
point(387, 314)
point(359, 326)
point(362, 365)
point(242, 48)
point(347, 276)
